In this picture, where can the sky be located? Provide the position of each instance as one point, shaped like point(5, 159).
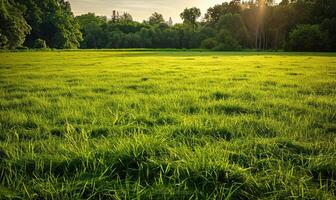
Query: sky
point(141, 9)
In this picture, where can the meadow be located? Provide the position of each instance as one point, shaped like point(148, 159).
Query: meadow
point(167, 125)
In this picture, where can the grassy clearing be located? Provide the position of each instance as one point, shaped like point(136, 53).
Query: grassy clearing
point(168, 125)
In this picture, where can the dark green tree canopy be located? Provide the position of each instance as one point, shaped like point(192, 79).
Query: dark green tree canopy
point(307, 38)
point(50, 20)
point(13, 26)
point(227, 26)
point(90, 18)
point(214, 13)
point(156, 19)
point(190, 15)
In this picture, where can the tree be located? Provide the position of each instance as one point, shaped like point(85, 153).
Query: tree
point(146, 37)
point(207, 32)
point(156, 19)
point(329, 26)
point(92, 30)
point(190, 15)
point(321, 9)
point(214, 13)
point(226, 41)
point(13, 26)
point(93, 36)
point(126, 17)
point(278, 24)
point(234, 24)
point(52, 21)
point(90, 18)
point(306, 38)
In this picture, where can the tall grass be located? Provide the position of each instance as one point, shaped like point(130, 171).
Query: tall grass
point(167, 125)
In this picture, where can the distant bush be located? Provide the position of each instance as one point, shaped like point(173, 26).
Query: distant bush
point(306, 38)
point(40, 44)
point(209, 43)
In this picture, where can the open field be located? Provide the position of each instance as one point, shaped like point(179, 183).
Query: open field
point(167, 125)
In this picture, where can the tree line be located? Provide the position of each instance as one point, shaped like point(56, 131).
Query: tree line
point(294, 25)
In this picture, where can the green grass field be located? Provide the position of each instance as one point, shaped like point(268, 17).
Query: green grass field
point(167, 125)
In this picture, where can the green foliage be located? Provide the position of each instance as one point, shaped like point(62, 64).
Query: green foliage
point(235, 25)
point(226, 41)
point(209, 43)
point(13, 27)
point(307, 38)
point(329, 26)
point(156, 19)
point(90, 18)
point(190, 15)
point(214, 13)
point(137, 35)
point(92, 30)
point(52, 21)
point(167, 125)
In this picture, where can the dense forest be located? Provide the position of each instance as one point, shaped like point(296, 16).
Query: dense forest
point(293, 25)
